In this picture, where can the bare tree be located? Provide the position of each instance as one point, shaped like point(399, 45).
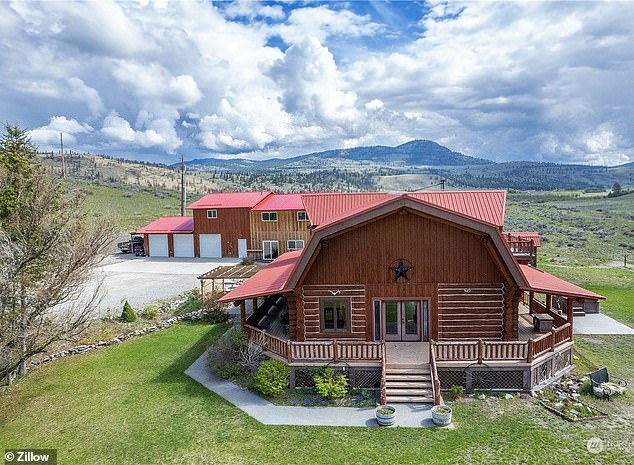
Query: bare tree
point(48, 248)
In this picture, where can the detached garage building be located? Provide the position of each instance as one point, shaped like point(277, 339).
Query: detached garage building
point(222, 223)
point(169, 236)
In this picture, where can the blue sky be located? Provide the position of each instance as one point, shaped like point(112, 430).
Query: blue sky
point(544, 81)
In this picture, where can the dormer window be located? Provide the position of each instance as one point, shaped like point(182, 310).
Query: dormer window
point(269, 216)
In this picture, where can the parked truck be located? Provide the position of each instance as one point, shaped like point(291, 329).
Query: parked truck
point(134, 245)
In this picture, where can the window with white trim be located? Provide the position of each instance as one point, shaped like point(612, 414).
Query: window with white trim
point(212, 214)
point(302, 215)
point(270, 250)
point(269, 216)
point(295, 244)
point(335, 314)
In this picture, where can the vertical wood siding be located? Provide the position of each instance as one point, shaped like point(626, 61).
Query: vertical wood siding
point(284, 229)
point(438, 252)
point(232, 224)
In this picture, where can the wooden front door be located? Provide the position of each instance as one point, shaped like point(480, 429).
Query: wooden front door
point(402, 320)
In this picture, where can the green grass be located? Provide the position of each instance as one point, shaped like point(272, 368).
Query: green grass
point(576, 231)
point(128, 208)
point(132, 404)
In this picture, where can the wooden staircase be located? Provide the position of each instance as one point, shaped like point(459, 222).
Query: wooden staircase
point(411, 383)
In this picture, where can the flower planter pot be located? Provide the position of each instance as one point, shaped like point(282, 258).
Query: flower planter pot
point(385, 415)
point(441, 415)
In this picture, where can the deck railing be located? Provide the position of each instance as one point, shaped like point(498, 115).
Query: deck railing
point(484, 351)
point(522, 247)
point(318, 351)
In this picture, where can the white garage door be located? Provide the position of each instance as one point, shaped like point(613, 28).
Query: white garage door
point(210, 245)
point(183, 245)
point(158, 245)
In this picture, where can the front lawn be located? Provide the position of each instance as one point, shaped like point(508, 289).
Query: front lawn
point(132, 404)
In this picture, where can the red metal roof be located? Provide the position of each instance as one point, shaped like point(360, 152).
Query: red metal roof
point(169, 225)
point(525, 236)
point(357, 210)
point(323, 206)
point(230, 200)
point(540, 281)
point(485, 206)
point(269, 280)
point(277, 202)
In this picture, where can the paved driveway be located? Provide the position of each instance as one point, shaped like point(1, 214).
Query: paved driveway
point(142, 280)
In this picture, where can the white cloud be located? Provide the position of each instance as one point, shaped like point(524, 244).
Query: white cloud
point(149, 133)
point(322, 22)
point(505, 80)
point(155, 82)
point(253, 9)
point(49, 135)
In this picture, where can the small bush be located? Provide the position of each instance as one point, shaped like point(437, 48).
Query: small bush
point(150, 312)
point(252, 355)
point(272, 378)
point(586, 388)
point(331, 384)
point(455, 392)
point(214, 311)
point(128, 315)
point(224, 355)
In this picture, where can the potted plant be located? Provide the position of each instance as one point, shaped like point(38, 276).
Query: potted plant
point(385, 415)
point(441, 415)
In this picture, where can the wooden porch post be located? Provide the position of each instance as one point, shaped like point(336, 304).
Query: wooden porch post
point(255, 305)
point(569, 303)
point(549, 301)
point(243, 314)
point(531, 297)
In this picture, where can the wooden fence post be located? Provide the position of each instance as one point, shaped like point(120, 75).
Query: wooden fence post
point(552, 341)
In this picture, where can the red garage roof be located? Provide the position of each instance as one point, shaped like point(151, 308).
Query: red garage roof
point(525, 236)
point(169, 225)
point(277, 202)
point(540, 281)
point(230, 200)
point(269, 280)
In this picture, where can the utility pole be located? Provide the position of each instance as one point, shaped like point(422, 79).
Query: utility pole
point(61, 147)
point(183, 194)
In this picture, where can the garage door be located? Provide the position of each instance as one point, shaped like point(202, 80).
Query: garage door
point(158, 245)
point(183, 245)
point(210, 245)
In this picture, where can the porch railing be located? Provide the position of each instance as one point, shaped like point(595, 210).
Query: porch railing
point(485, 351)
point(318, 351)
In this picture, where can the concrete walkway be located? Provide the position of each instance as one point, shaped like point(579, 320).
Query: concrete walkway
point(598, 323)
point(407, 415)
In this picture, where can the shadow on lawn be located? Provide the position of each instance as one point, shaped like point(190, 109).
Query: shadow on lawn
point(175, 372)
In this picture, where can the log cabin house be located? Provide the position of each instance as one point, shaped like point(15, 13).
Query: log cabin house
point(413, 293)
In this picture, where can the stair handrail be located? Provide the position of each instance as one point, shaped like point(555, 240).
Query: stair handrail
point(435, 382)
point(383, 374)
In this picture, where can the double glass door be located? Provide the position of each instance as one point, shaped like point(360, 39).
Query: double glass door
point(405, 320)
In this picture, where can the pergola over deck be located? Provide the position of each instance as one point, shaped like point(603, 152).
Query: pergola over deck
point(236, 273)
